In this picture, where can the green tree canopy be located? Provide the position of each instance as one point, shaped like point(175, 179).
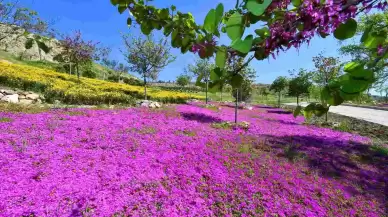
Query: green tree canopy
point(300, 84)
point(183, 80)
point(201, 69)
point(278, 86)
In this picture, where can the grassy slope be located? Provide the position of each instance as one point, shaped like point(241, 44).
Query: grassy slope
point(99, 69)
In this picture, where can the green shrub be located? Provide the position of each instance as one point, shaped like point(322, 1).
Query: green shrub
point(89, 74)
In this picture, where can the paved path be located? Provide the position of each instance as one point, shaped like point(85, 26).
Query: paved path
point(367, 114)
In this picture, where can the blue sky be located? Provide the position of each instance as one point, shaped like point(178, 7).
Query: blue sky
point(98, 20)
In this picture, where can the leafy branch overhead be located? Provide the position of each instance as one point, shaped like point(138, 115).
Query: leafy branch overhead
point(284, 24)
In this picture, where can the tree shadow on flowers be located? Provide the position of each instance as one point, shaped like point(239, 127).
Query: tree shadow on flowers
point(281, 112)
point(347, 161)
point(264, 107)
point(200, 117)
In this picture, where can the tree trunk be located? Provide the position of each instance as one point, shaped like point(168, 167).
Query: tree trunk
point(297, 100)
point(279, 100)
point(221, 95)
point(207, 83)
point(40, 54)
point(236, 107)
point(326, 116)
point(145, 88)
point(77, 68)
point(70, 69)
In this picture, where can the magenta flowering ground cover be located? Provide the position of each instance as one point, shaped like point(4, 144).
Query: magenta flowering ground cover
point(172, 162)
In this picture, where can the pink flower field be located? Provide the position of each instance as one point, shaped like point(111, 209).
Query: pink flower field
point(176, 162)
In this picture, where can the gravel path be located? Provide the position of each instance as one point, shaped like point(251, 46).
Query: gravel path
point(367, 114)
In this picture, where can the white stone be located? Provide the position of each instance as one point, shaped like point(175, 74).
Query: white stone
point(32, 96)
point(22, 97)
point(11, 98)
point(152, 105)
point(144, 104)
point(9, 92)
point(157, 105)
point(1, 95)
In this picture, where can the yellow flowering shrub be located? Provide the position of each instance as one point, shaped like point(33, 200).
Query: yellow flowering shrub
point(69, 89)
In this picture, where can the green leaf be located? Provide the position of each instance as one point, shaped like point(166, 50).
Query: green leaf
point(263, 32)
point(260, 54)
point(365, 35)
point(145, 28)
point(256, 8)
point(164, 13)
point(352, 85)
point(243, 46)
point(296, 3)
point(307, 114)
point(347, 96)
point(320, 110)
point(174, 34)
point(122, 8)
point(213, 75)
point(221, 57)
point(353, 66)
point(234, 27)
point(236, 80)
point(366, 74)
point(346, 30)
point(297, 111)
point(257, 40)
point(186, 41)
point(300, 26)
point(335, 99)
point(114, 2)
point(173, 8)
point(219, 13)
point(129, 22)
point(332, 97)
point(210, 21)
point(184, 49)
point(373, 40)
point(167, 29)
point(214, 87)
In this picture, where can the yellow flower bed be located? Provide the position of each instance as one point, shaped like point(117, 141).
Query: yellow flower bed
point(67, 88)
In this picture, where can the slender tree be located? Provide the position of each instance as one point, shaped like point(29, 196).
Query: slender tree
point(278, 86)
point(147, 57)
point(327, 69)
point(77, 51)
point(201, 69)
point(103, 58)
point(299, 85)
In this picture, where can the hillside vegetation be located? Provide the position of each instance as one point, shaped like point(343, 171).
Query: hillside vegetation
point(68, 89)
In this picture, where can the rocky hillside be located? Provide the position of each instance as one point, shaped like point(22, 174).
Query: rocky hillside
point(14, 38)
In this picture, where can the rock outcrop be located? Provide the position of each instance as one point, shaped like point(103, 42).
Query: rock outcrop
point(18, 96)
point(13, 40)
point(148, 104)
